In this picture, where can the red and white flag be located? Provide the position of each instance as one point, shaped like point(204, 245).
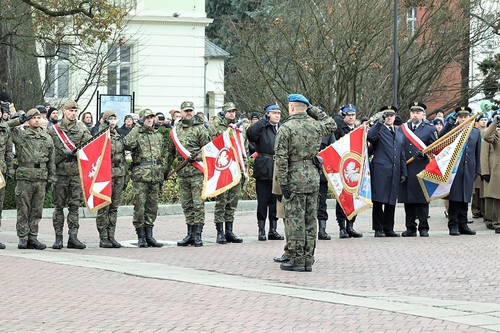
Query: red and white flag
point(222, 170)
point(345, 163)
point(238, 142)
point(94, 163)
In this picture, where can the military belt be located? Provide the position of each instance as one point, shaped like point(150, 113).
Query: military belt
point(266, 155)
point(33, 165)
point(304, 162)
point(144, 163)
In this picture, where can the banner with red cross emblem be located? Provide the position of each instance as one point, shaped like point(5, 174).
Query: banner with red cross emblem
point(345, 164)
point(222, 170)
point(94, 163)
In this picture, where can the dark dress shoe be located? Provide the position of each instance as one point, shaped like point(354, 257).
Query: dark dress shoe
point(424, 233)
point(477, 215)
point(470, 221)
point(490, 226)
point(391, 233)
point(497, 231)
point(379, 233)
point(287, 266)
point(409, 233)
point(467, 231)
point(454, 232)
point(283, 258)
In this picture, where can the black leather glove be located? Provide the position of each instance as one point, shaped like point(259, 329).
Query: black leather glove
point(453, 118)
point(24, 118)
point(402, 179)
point(191, 159)
point(421, 155)
point(71, 156)
point(285, 191)
point(497, 119)
point(242, 180)
point(486, 178)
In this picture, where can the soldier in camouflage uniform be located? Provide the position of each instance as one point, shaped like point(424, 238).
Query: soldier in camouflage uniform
point(228, 201)
point(296, 147)
point(5, 162)
point(107, 216)
point(36, 169)
point(148, 168)
point(67, 191)
point(191, 135)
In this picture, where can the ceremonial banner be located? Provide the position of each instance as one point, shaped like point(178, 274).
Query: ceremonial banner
point(94, 163)
point(238, 142)
point(183, 151)
point(346, 166)
point(222, 170)
point(437, 177)
point(2, 181)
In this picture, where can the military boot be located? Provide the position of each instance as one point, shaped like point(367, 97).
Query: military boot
point(23, 244)
point(74, 243)
point(141, 237)
point(273, 234)
point(198, 229)
point(262, 230)
point(351, 232)
point(322, 232)
point(35, 244)
point(149, 238)
point(342, 232)
point(221, 238)
point(58, 244)
point(189, 239)
point(105, 243)
point(114, 243)
point(2, 246)
point(230, 236)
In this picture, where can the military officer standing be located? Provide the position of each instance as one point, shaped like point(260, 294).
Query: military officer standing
point(297, 145)
point(226, 202)
point(418, 134)
point(107, 216)
point(36, 170)
point(188, 137)
point(148, 168)
point(463, 183)
point(388, 170)
point(67, 190)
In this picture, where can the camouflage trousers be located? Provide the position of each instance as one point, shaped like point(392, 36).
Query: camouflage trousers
point(226, 204)
point(107, 216)
point(145, 200)
point(29, 202)
point(67, 191)
point(190, 195)
point(301, 227)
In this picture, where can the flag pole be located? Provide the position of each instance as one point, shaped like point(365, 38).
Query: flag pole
point(80, 146)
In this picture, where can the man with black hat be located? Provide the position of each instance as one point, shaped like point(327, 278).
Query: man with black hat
point(345, 123)
point(148, 168)
point(469, 167)
point(52, 116)
point(418, 134)
point(388, 170)
point(226, 202)
point(128, 124)
point(67, 190)
point(296, 147)
point(263, 134)
point(188, 137)
point(35, 173)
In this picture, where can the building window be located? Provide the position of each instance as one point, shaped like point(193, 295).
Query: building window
point(57, 71)
point(411, 19)
point(119, 70)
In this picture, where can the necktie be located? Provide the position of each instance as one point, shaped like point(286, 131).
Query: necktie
point(275, 128)
point(414, 128)
point(392, 131)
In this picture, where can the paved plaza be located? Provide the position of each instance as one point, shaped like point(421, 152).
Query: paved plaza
point(436, 284)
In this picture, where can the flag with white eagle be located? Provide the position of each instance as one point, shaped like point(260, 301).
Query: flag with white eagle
point(94, 164)
point(222, 170)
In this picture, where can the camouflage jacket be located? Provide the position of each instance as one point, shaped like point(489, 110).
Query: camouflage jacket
point(193, 135)
point(148, 153)
point(297, 143)
point(35, 153)
point(118, 163)
point(6, 151)
point(78, 133)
